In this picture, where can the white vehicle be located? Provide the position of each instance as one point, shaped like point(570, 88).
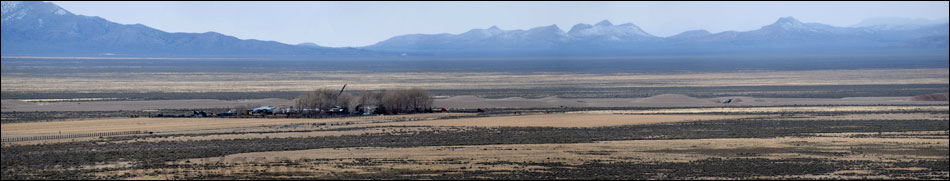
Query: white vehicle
point(264, 110)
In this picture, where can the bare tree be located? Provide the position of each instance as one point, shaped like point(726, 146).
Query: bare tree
point(420, 99)
point(407, 100)
point(324, 99)
point(366, 98)
point(412, 100)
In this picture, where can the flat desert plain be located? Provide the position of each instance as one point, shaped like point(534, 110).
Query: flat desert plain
point(788, 124)
point(817, 142)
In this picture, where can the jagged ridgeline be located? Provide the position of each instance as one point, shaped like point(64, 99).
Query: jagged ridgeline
point(45, 29)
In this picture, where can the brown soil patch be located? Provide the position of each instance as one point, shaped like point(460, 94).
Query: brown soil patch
point(931, 97)
point(672, 98)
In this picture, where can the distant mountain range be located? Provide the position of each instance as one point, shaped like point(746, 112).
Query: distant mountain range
point(785, 35)
point(45, 29)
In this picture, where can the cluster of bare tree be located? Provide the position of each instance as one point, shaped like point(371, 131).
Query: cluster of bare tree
point(414, 100)
point(323, 99)
point(407, 101)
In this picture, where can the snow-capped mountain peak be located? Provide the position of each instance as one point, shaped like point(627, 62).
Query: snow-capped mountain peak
point(626, 31)
point(550, 28)
point(787, 23)
point(494, 28)
point(483, 33)
point(690, 34)
point(16, 10)
point(9, 6)
point(580, 26)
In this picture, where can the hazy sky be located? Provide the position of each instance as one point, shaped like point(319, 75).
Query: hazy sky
point(338, 24)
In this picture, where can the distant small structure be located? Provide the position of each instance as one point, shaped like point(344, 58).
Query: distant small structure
point(288, 110)
point(727, 101)
point(263, 110)
point(368, 110)
point(199, 114)
point(231, 112)
point(338, 110)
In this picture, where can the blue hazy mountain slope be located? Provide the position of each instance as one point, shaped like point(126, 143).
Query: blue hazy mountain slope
point(45, 29)
point(42, 28)
point(786, 35)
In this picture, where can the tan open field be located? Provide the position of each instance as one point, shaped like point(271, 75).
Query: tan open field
point(543, 120)
point(668, 100)
point(469, 158)
point(563, 120)
point(22, 106)
point(920, 116)
point(309, 80)
point(642, 150)
point(167, 125)
point(314, 133)
point(471, 102)
point(772, 110)
point(171, 126)
point(880, 148)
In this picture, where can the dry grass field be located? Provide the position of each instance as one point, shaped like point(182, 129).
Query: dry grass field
point(563, 120)
point(22, 106)
point(309, 80)
point(753, 110)
point(483, 157)
point(844, 142)
point(823, 124)
point(705, 115)
point(471, 102)
point(178, 125)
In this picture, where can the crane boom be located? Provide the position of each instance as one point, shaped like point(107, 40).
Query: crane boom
point(341, 91)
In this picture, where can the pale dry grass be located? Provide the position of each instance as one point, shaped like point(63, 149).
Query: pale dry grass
point(914, 134)
point(772, 110)
point(141, 105)
point(895, 116)
point(563, 120)
point(67, 100)
point(314, 133)
point(665, 100)
point(308, 80)
point(474, 157)
point(161, 125)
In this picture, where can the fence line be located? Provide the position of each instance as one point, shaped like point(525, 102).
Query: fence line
point(67, 136)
